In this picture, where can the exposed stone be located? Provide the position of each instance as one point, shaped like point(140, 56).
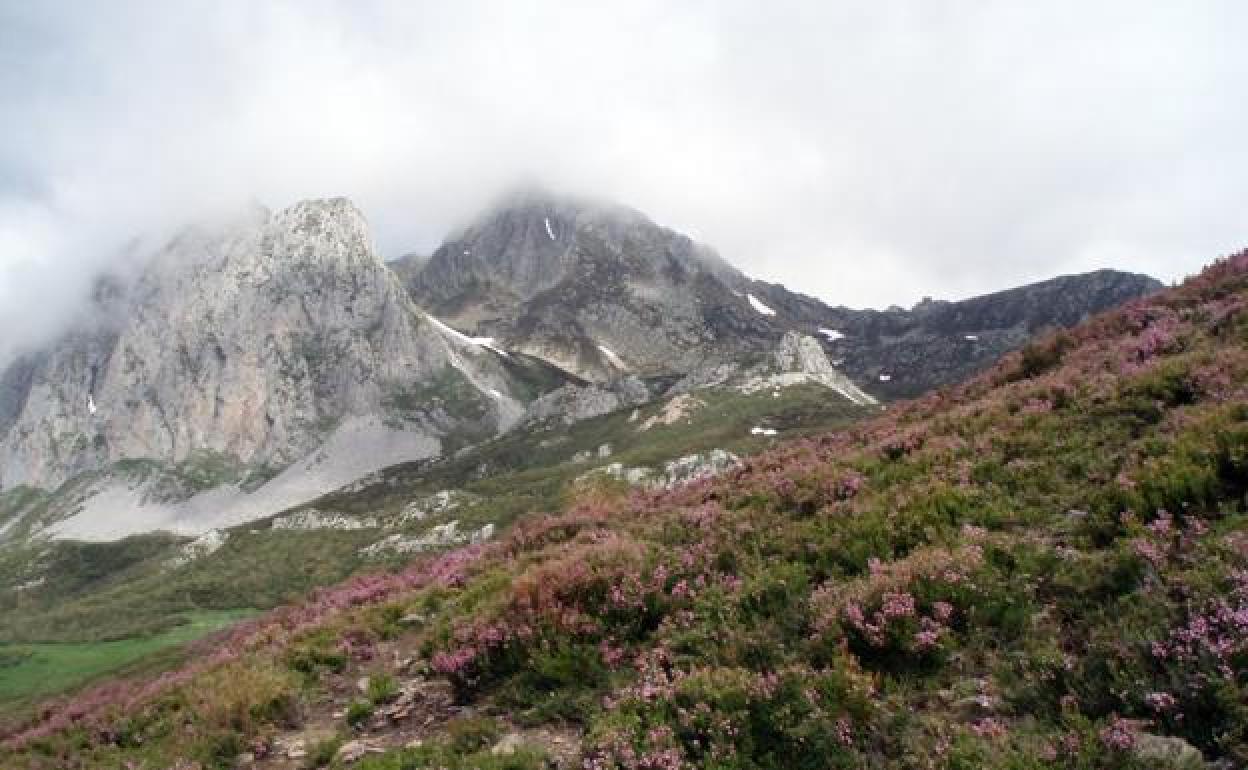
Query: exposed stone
point(208, 543)
point(311, 519)
point(352, 751)
point(508, 744)
point(1167, 751)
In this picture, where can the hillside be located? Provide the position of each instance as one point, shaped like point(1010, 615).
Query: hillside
point(1043, 567)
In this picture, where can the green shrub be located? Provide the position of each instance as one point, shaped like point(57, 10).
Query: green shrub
point(359, 712)
point(467, 735)
point(382, 688)
point(323, 752)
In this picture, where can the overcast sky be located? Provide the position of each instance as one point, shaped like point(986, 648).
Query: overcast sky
point(865, 152)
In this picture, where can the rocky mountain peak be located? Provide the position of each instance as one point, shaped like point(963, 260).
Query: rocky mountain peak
point(257, 340)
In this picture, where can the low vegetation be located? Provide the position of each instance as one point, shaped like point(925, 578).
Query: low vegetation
point(1046, 567)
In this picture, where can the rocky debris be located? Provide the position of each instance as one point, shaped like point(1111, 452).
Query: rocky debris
point(678, 408)
point(508, 745)
point(682, 470)
point(619, 472)
point(311, 519)
point(295, 748)
point(206, 544)
point(699, 466)
point(438, 503)
point(440, 536)
point(354, 751)
point(798, 360)
point(432, 700)
point(572, 403)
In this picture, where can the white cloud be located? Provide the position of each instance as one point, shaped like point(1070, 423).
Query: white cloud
point(867, 153)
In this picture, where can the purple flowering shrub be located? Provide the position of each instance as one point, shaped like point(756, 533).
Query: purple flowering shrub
point(1044, 566)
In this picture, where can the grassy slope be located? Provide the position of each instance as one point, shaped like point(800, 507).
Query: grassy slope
point(1041, 568)
point(121, 595)
point(116, 590)
point(37, 670)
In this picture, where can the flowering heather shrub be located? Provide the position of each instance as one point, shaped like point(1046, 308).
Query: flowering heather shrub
point(732, 717)
point(1035, 568)
point(901, 615)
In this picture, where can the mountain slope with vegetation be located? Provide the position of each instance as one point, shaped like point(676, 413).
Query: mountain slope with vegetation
point(1044, 567)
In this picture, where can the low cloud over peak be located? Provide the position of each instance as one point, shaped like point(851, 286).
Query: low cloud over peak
point(862, 153)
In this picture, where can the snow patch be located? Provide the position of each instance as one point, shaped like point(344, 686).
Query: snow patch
point(90, 404)
point(615, 360)
point(885, 377)
point(758, 306)
point(971, 338)
point(481, 342)
point(549, 231)
point(757, 431)
point(832, 334)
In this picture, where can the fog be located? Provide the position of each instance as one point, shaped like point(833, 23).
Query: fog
point(866, 153)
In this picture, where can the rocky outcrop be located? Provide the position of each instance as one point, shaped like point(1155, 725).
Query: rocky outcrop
point(595, 288)
point(255, 341)
point(574, 402)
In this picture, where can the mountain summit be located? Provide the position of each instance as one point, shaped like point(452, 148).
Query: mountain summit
point(599, 289)
point(255, 366)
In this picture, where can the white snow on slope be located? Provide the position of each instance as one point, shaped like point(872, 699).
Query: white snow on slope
point(972, 337)
point(832, 334)
point(615, 360)
point(885, 377)
point(549, 230)
point(481, 342)
point(759, 306)
point(757, 431)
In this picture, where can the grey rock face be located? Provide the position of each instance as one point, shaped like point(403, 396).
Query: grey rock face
point(572, 402)
point(596, 289)
point(600, 290)
point(254, 341)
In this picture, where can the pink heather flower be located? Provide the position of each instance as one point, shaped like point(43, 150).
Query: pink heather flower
point(1117, 735)
point(1161, 526)
point(898, 605)
point(844, 732)
point(1149, 551)
point(942, 611)
point(1160, 701)
point(989, 727)
point(853, 613)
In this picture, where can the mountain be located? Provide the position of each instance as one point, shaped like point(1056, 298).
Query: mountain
point(1044, 566)
point(599, 290)
point(279, 342)
point(255, 366)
